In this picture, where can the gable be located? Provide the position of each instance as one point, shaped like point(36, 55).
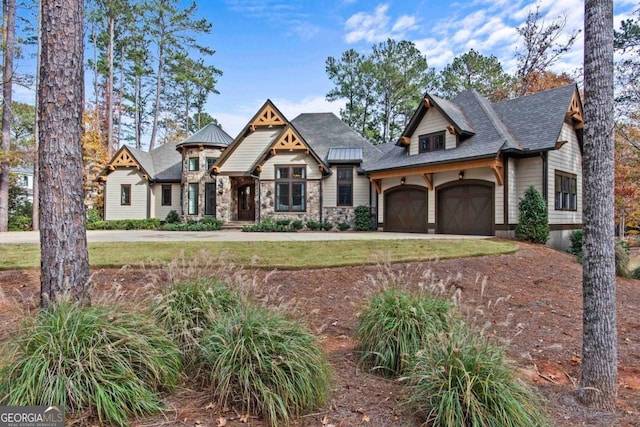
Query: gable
point(247, 150)
point(123, 158)
point(432, 121)
point(268, 116)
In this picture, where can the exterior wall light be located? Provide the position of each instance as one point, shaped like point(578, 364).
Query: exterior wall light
point(403, 180)
point(461, 175)
point(220, 187)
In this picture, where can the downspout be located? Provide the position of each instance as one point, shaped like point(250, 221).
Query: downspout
point(505, 196)
point(545, 177)
point(321, 201)
point(148, 199)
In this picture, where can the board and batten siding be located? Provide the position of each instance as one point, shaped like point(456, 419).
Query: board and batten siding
point(249, 149)
point(159, 211)
point(566, 159)
point(295, 158)
point(432, 122)
point(139, 195)
point(330, 189)
point(443, 178)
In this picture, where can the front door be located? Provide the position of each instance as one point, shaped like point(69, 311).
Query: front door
point(246, 203)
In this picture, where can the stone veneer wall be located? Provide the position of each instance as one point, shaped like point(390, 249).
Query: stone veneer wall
point(340, 214)
point(223, 198)
point(200, 176)
point(268, 203)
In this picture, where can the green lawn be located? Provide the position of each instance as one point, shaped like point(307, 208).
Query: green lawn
point(285, 255)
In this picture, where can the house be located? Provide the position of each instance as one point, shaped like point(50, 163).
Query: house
point(460, 167)
point(24, 178)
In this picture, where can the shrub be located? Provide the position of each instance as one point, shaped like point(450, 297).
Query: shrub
point(575, 237)
point(297, 225)
point(284, 222)
point(393, 326)
point(621, 252)
point(186, 310)
point(205, 224)
point(326, 225)
point(125, 224)
point(461, 379)
point(314, 225)
point(363, 218)
point(635, 274)
point(20, 223)
point(270, 226)
point(533, 219)
point(172, 217)
point(266, 363)
point(343, 226)
point(97, 359)
point(93, 215)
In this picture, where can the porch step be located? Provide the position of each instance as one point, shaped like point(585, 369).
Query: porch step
point(235, 225)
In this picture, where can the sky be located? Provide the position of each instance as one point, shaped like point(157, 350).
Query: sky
point(276, 49)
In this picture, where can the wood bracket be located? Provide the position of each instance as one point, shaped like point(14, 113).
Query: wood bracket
point(452, 130)
point(376, 185)
point(427, 103)
point(498, 171)
point(428, 179)
point(405, 140)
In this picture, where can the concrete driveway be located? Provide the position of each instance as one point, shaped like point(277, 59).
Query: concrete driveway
point(226, 236)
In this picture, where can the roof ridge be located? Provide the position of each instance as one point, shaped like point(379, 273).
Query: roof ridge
point(573, 85)
point(496, 121)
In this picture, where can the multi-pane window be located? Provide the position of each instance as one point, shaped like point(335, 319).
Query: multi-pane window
point(194, 164)
point(291, 184)
point(125, 194)
point(166, 195)
point(431, 142)
point(210, 198)
point(210, 162)
point(566, 190)
point(345, 185)
point(192, 209)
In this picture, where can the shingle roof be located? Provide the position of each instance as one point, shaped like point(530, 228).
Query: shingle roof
point(528, 123)
point(344, 155)
point(163, 163)
point(211, 135)
point(324, 131)
point(454, 113)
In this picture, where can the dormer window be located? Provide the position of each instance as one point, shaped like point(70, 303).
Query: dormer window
point(431, 142)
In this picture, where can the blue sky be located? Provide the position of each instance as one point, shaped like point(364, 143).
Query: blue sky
point(277, 48)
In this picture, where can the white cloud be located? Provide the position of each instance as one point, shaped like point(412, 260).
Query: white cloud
point(377, 26)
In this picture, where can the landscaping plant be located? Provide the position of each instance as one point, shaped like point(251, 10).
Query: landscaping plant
point(98, 360)
point(622, 254)
point(343, 226)
point(459, 378)
point(533, 219)
point(363, 218)
point(267, 364)
point(393, 326)
point(172, 217)
point(187, 310)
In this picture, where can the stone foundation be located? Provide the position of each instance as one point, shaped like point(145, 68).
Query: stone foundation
point(339, 214)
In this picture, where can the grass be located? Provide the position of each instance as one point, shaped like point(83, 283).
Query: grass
point(98, 361)
point(283, 255)
point(265, 364)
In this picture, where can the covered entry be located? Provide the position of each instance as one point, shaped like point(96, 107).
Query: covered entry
point(465, 207)
point(405, 209)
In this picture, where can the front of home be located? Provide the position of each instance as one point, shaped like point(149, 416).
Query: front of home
point(460, 167)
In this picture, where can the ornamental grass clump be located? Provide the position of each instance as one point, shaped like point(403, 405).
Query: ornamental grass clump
point(393, 327)
point(187, 310)
point(459, 378)
point(265, 365)
point(94, 361)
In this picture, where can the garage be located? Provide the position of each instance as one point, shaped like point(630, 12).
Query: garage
point(465, 208)
point(405, 209)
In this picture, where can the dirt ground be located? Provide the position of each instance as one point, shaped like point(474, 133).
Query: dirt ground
point(531, 300)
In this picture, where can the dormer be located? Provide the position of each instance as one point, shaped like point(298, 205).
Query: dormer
point(436, 125)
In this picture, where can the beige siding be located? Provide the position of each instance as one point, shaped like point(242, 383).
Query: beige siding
point(443, 178)
point(159, 211)
point(432, 121)
point(360, 189)
point(566, 159)
point(139, 195)
point(249, 149)
point(512, 180)
point(295, 158)
point(528, 172)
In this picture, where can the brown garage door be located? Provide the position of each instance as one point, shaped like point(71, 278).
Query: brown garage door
point(405, 209)
point(465, 208)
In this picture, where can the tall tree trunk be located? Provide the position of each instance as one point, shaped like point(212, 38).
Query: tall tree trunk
point(598, 376)
point(120, 98)
point(35, 207)
point(109, 94)
point(156, 109)
point(9, 29)
point(64, 265)
point(137, 109)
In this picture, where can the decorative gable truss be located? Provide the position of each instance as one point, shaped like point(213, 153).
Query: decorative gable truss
point(123, 159)
point(269, 116)
point(574, 113)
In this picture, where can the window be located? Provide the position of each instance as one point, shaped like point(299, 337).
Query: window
point(345, 186)
point(166, 195)
point(194, 164)
point(431, 142)
point(566, 190)
point(125, 194)
point(210, 162)
point(193, 199)
point(25, 181)
point(210, 198)
point(291, 188)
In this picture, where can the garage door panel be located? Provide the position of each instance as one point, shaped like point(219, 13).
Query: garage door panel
point(406, 210)
point(465, 208)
